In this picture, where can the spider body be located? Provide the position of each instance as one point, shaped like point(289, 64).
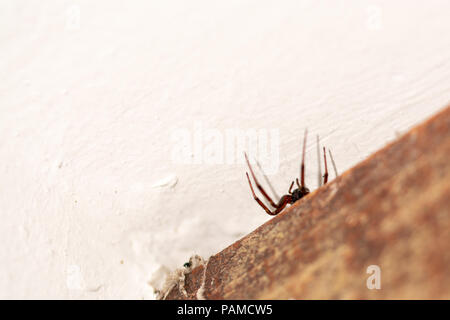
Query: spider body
point(298, 193)
point(292, 196)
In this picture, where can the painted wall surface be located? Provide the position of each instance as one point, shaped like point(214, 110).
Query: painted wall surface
point(117, 117)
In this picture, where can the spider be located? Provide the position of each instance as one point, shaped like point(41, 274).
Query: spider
point(292, 196)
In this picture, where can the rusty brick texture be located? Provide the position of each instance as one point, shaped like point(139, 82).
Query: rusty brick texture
point(392, 210)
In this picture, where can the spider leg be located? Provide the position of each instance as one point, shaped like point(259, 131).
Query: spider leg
point(319, 173)
point(258, 185)
point(325, 176)
point(302, 168)
point(280, 206)
point(290, 188)
point(282, 203)
point(333, 163)
point(274, 193)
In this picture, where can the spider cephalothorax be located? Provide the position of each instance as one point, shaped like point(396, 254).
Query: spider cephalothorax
point(299, 193)
point(292, 196)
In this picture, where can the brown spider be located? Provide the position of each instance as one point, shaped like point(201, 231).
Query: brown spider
point(291, 197)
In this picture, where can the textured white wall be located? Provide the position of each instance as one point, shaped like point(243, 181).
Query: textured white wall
point(92, 203)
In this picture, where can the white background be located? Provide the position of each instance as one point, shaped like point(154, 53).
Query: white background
point(92, 205)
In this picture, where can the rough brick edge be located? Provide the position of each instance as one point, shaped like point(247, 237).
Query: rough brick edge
point(391, 210)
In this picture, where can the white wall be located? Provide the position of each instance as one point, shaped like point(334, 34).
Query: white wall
point(92, 203)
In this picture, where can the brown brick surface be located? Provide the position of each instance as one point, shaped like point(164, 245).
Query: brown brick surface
point(391, 210)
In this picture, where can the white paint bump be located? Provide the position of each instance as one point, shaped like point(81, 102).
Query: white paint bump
point(168, 182)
